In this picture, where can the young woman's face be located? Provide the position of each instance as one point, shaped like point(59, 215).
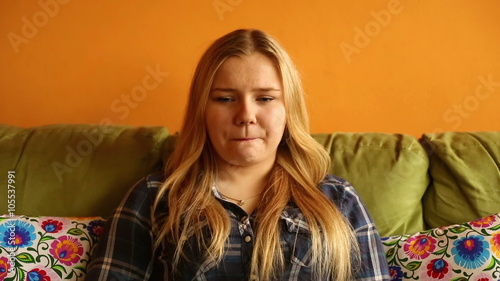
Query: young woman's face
point(245, 113)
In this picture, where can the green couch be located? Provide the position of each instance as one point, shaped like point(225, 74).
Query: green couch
point(407, 184)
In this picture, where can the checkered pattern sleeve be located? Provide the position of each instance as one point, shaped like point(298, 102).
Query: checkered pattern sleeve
point(125, 252)
point(373, 264)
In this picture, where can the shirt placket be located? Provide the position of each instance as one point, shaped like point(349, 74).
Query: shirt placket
point(247, 242)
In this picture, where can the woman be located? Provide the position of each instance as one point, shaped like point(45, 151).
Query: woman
point(245, 195)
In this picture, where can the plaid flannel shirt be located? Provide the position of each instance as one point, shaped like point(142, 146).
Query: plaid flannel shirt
point(125, 251)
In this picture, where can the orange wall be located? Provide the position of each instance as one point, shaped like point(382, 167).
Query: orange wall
point(389, 66)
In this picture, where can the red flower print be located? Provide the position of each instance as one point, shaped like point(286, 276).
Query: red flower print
point(419, 247)
point(67, 250)
point(52, 226)
point(484, 222)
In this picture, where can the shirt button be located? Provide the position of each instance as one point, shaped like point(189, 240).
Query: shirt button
point(248, 238)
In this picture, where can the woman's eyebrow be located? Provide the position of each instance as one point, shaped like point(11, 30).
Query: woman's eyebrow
point(232, 90)
point(223, 90)
point(266, 89)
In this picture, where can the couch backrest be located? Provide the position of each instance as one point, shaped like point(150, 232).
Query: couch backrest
point(389, 171)
point(465, 168)
point(85, 170)
point(75, 170)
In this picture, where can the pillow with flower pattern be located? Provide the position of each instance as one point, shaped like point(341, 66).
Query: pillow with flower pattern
point(469, 251)
point(47, 248)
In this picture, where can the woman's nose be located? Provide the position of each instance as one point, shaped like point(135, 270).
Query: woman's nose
point(245, 114)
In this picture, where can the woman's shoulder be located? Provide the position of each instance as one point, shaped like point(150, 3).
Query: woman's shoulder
point(154, 180)
point(144, 191)
point(339, 190)
point(334, 184)
point(149, 183)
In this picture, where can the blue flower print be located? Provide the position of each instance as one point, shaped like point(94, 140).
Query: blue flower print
point(16, 233)
point(470, 252)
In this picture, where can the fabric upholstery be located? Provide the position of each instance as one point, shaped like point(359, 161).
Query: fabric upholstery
point(85, 170)
point(467, 251)
point(465, 163)
point(76, 170)
point(47, 248)
point(389, 171)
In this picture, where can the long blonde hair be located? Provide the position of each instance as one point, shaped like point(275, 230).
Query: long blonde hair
point(301, 165)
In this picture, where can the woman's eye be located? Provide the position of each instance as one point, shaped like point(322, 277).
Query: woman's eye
point(223, 99)
point(265, 99)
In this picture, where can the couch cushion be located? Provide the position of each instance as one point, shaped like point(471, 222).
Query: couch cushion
point(468, 251)
point(47, 248)
point(465, 173)
point(76, 170)
point(389, 171)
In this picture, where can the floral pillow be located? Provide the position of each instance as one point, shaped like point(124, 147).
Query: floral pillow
point(46, 248)
point(469, 251)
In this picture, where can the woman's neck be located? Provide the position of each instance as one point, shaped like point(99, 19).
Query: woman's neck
point(243, 185)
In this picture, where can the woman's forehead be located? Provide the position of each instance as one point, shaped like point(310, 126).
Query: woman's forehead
point(255, 70)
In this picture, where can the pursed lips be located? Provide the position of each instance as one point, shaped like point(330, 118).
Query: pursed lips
point(244, 139)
